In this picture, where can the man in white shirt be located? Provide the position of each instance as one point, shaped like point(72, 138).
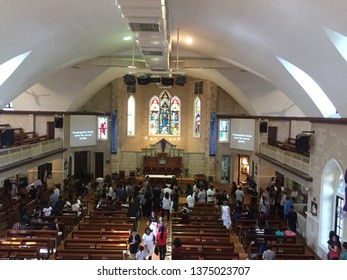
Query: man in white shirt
point(239, 195)
point(167, 189)
point(211, 192)
point(190, 201)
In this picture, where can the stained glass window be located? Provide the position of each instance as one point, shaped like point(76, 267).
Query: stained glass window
point(102, 128)
point(197, 117)
point(131, 116)
point(224, 130)
point(164, 115)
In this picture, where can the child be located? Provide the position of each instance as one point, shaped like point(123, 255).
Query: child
point(141, 255)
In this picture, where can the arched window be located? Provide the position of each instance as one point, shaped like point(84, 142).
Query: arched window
point(131, 116)
point(197, 117)
point(331, 202)
point(164, 115)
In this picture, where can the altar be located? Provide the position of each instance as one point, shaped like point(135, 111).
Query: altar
point(162, 158)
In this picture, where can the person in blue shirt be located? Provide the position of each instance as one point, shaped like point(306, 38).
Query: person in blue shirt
point(286, 207)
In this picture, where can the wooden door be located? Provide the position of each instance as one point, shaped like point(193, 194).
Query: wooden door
point(272, 135)
point(81, 163)
point(99, 165)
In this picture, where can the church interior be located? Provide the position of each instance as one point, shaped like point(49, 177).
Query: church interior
point(127, 94)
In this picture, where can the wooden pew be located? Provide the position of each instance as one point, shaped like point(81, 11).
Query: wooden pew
point(51, 235)
point(248, 238)
point(106, 226)
point(202, 255)
point(279, 248)
point(81, 254)
point(111, 234)
point(20, 253)
point(44, 245)
point(89, 244)
point(304, 256)
point(202, 227)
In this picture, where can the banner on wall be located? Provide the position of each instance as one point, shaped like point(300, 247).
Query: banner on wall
point(114, 132)
point(213, 133)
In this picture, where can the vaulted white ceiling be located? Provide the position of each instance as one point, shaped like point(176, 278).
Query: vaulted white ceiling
point(77, 47)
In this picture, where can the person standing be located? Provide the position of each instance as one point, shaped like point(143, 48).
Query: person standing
point(292, 219)
point(134, 241)
point(335, 248)
point(239, 195)
point(286, 207)
point(148, 243)
point(211, 193)
point(343, 254)
point(161, 242)
point(202, 196)
point(190, 200)
point(140, 255)
point(226, 215)
point(166, 203)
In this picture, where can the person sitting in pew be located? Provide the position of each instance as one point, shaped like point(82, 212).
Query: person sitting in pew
point(260, 244)
point(185, 216)
point(269, 254)
point(176, 252)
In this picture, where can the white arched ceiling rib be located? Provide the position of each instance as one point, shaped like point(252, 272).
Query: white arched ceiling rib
point(97, 84)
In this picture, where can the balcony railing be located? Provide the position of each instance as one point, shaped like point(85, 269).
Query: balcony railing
point(294, 160)
point(18, 154)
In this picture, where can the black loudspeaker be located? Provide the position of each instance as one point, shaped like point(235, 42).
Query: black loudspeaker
point(154, 79)
point(143, 80)
point(302, 143)
point(7, 137)
point(58, 122)
point(263, 127)
point(180, 80)
point(167, 81)
point(129, 79)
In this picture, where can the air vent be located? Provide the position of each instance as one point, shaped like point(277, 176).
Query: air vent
point(144, 27)
point(153, 53)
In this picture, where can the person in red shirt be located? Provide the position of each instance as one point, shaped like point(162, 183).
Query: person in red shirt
point(161, 238)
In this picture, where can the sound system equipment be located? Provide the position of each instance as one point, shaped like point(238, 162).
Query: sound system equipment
point(180, 80)
point(58, 122)
point(302, 143)
point(7, 137)
point(143, 80)
point(167, 81)
point(129, 79)
point(263, 127)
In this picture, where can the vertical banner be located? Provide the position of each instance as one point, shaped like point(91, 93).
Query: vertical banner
point(114, 132)
point(213, 133)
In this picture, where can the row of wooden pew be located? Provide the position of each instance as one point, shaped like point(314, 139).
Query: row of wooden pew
point(204, 236)
point(100, 235)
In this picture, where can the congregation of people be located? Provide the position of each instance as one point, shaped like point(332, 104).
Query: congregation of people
point(157, 204)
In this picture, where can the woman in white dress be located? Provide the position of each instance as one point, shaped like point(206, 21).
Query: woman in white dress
point(226, 215)
point(148, 242)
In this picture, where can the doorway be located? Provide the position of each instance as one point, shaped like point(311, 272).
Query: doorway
point(50, 130)
point(99, 165)
point(226, 164)
point(81, 164)
point(272, 135)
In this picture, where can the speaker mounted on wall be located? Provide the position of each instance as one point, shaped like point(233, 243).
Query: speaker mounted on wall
point(263, 127)
point(58, 122)
point(302, 143)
